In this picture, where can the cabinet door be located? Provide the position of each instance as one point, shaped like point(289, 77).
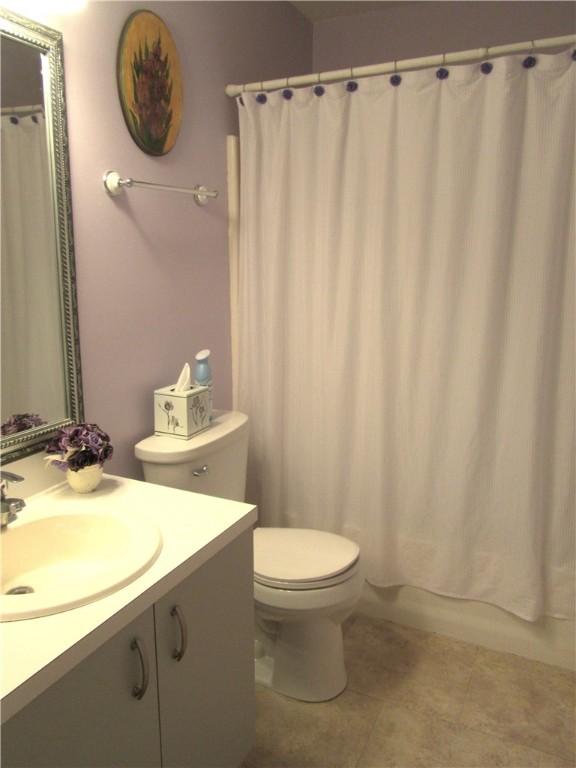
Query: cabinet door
point(90, 717)
point(207, 697)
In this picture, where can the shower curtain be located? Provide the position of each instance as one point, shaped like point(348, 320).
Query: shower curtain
point(32, 354)
point(406, 323)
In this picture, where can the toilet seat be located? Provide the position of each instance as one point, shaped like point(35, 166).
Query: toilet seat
point(299, 558)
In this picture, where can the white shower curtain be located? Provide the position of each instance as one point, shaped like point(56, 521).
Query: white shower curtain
point(406, 326)
point(32, 354)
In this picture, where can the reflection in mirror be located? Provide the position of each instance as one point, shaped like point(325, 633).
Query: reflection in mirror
point(32, 365)
point(40, 359)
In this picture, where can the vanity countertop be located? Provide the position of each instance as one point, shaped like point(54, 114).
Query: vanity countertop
point(37, 652)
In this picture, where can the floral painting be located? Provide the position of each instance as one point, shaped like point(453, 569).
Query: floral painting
point(150, 83)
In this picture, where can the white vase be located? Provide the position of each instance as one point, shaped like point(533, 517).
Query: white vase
point(86, 479)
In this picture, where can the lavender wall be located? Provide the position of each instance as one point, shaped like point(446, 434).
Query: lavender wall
point(152, 267)
point(411, 29)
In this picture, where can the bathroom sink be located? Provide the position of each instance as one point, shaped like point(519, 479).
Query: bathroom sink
point(59, 562)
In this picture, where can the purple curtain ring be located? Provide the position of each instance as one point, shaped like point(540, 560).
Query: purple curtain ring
point(14, 120)
point(287, 94)
point(442, 73)
point(529, 62)
point(395, 80)
point(574, 55)
point(351, 86)
point(486, 67)
point(241, 100)
point(261, 98)
point(319, 90)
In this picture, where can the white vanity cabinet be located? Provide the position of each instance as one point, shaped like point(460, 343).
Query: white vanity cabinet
point(207, 697)
point(197, 711)
point(90, 716)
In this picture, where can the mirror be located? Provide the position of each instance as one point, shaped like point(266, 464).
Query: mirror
point(40, 356)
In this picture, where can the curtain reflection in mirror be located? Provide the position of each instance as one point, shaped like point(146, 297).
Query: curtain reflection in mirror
point(32, 356)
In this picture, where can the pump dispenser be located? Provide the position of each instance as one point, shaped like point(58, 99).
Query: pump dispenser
point(203, 372)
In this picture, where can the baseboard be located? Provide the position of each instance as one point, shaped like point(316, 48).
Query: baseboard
point(551, 641)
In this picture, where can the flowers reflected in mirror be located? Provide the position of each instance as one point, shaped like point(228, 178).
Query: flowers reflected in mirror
point(20, 422)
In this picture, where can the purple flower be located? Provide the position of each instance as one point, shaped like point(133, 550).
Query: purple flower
point(80, 459)
point(19, 422)
point(79, 446)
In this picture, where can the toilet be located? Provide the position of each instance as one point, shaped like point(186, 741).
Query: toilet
point(306, 582)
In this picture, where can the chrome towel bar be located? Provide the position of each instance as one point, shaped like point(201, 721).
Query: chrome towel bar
point(114, 184)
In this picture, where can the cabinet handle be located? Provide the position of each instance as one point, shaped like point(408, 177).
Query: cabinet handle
point(138, 691)
point(178, 653)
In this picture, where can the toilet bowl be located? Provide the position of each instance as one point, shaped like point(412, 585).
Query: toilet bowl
point(306, 582)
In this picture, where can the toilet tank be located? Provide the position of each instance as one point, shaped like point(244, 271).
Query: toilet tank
point(212, 461)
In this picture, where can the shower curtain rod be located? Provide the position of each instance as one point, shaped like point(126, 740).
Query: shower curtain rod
point(22, 110)
point(458, 57)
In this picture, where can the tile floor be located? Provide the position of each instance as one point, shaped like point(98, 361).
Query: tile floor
point(416, 699)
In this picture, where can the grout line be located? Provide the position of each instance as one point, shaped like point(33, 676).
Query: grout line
point(363, 749)
point(458, 718)
point(516, 743)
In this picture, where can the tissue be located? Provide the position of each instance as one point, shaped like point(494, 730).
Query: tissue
point(184, 379)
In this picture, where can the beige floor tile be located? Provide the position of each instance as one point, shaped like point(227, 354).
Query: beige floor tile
point(522, 700)
point(347, 625)
point(427, 672)
point(442, 704)
point(403, 738)
point(551, 761)
point(293, 734)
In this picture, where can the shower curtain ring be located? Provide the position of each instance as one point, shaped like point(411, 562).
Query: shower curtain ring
point(486, 65)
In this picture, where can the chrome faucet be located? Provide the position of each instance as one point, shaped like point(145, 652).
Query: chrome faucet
point(10, 507)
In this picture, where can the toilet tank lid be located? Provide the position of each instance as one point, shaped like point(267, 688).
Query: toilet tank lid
point(225, 427)
point(301, 554)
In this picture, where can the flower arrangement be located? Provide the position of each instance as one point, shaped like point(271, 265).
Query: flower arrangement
point(79, 446)
point(19, 422)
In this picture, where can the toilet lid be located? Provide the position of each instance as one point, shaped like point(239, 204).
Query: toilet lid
point(289, 556)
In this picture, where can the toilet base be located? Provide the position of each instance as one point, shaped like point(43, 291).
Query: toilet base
point(305, 660)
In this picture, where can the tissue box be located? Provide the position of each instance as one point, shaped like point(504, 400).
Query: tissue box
point(181, 414)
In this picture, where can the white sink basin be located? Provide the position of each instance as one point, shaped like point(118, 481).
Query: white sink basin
point(61, 562)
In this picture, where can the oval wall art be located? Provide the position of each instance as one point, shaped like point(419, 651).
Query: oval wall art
point(150, 82)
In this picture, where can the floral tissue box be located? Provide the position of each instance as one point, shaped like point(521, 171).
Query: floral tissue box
point(181, 413)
